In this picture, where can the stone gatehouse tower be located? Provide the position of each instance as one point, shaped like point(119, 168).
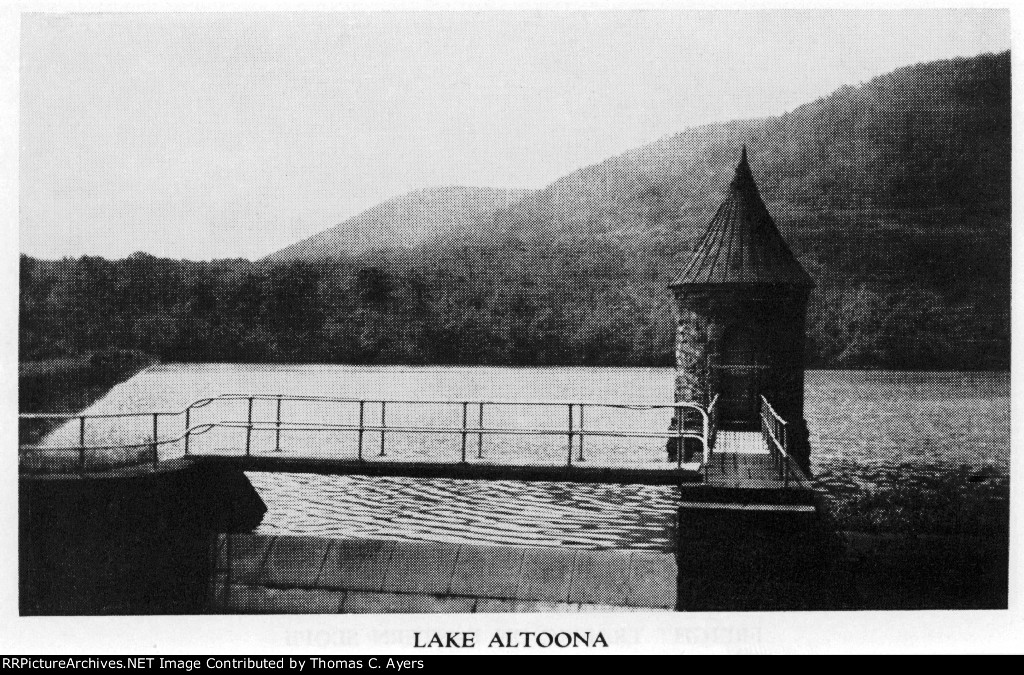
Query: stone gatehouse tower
point(740, 306)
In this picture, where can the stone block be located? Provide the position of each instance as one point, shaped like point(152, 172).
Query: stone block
point(245, 599)
point(355, 564)
point(652, 580)
point(421, 567)
point(546, 574)
point(600, 578)
point(245, 554)
point(295, 562)
point(488, 571)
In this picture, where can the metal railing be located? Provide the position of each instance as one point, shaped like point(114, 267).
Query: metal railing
point(82, 451)
point(155, 415)
point(775, 431)
point(712, 413)
point(574, 431)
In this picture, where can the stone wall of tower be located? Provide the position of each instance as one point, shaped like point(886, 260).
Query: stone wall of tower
point(693, 331)
point(776, 315)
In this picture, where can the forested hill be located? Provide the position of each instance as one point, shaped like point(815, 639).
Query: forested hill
point(894, 195)
point(406, 221)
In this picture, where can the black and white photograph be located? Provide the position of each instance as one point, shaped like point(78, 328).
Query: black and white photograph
point(518, 318)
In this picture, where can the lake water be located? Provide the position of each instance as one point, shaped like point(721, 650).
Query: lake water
point(869, 430)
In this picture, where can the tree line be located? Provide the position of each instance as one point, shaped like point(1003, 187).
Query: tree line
point(592, 303)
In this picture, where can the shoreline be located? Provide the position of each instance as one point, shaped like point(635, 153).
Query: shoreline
point(69, 385)
point(517, 367)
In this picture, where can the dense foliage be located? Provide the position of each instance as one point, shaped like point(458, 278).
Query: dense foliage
point(588, 304)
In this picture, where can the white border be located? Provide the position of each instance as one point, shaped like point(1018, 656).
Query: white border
point(811, 632)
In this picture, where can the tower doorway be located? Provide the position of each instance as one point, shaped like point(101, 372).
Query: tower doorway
point(742, 377)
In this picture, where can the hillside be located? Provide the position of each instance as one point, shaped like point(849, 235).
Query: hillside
point(923, 136)
point(404, 222)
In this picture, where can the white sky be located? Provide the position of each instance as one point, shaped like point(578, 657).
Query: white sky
point(221, 135)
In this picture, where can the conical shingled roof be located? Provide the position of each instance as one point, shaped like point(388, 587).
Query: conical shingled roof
point(742, 245)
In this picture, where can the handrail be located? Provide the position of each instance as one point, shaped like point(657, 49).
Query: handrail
point(197, 430)
point(202, 402)
point(652, 405)
point(703, 432)
point(774, 429)
point(314, 426)
point(153, 444)
point(771, 410)
point(713, 421)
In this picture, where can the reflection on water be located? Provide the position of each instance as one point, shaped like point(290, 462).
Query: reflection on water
point(869, 429)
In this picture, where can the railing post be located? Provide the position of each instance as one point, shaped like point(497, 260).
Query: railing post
point(248, 431)
point(713, 420)
point(768, 432)
point(679, 436)
point(707, 435)
point(362, 406)
point(580, 458)
point(277, 432)
point(188, 426)
point(156, 452)
point(785, 448)
point(773, 426)
point(382, 424)
point(465, 413)
point(81, 442)
point(480, 436)
point(570, 435)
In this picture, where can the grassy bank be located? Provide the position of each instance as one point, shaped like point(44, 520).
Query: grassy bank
point(70, 384)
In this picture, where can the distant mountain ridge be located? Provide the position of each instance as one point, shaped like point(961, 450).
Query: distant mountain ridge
point(404, 222)
point(920, 137)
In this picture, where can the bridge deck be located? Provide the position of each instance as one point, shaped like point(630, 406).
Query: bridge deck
point(741, 463)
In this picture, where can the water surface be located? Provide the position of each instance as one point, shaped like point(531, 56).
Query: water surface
point(869, 430)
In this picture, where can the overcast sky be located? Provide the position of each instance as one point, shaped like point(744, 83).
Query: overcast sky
point(221, 135)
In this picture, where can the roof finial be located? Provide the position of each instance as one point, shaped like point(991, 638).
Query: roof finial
point(743, 175)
